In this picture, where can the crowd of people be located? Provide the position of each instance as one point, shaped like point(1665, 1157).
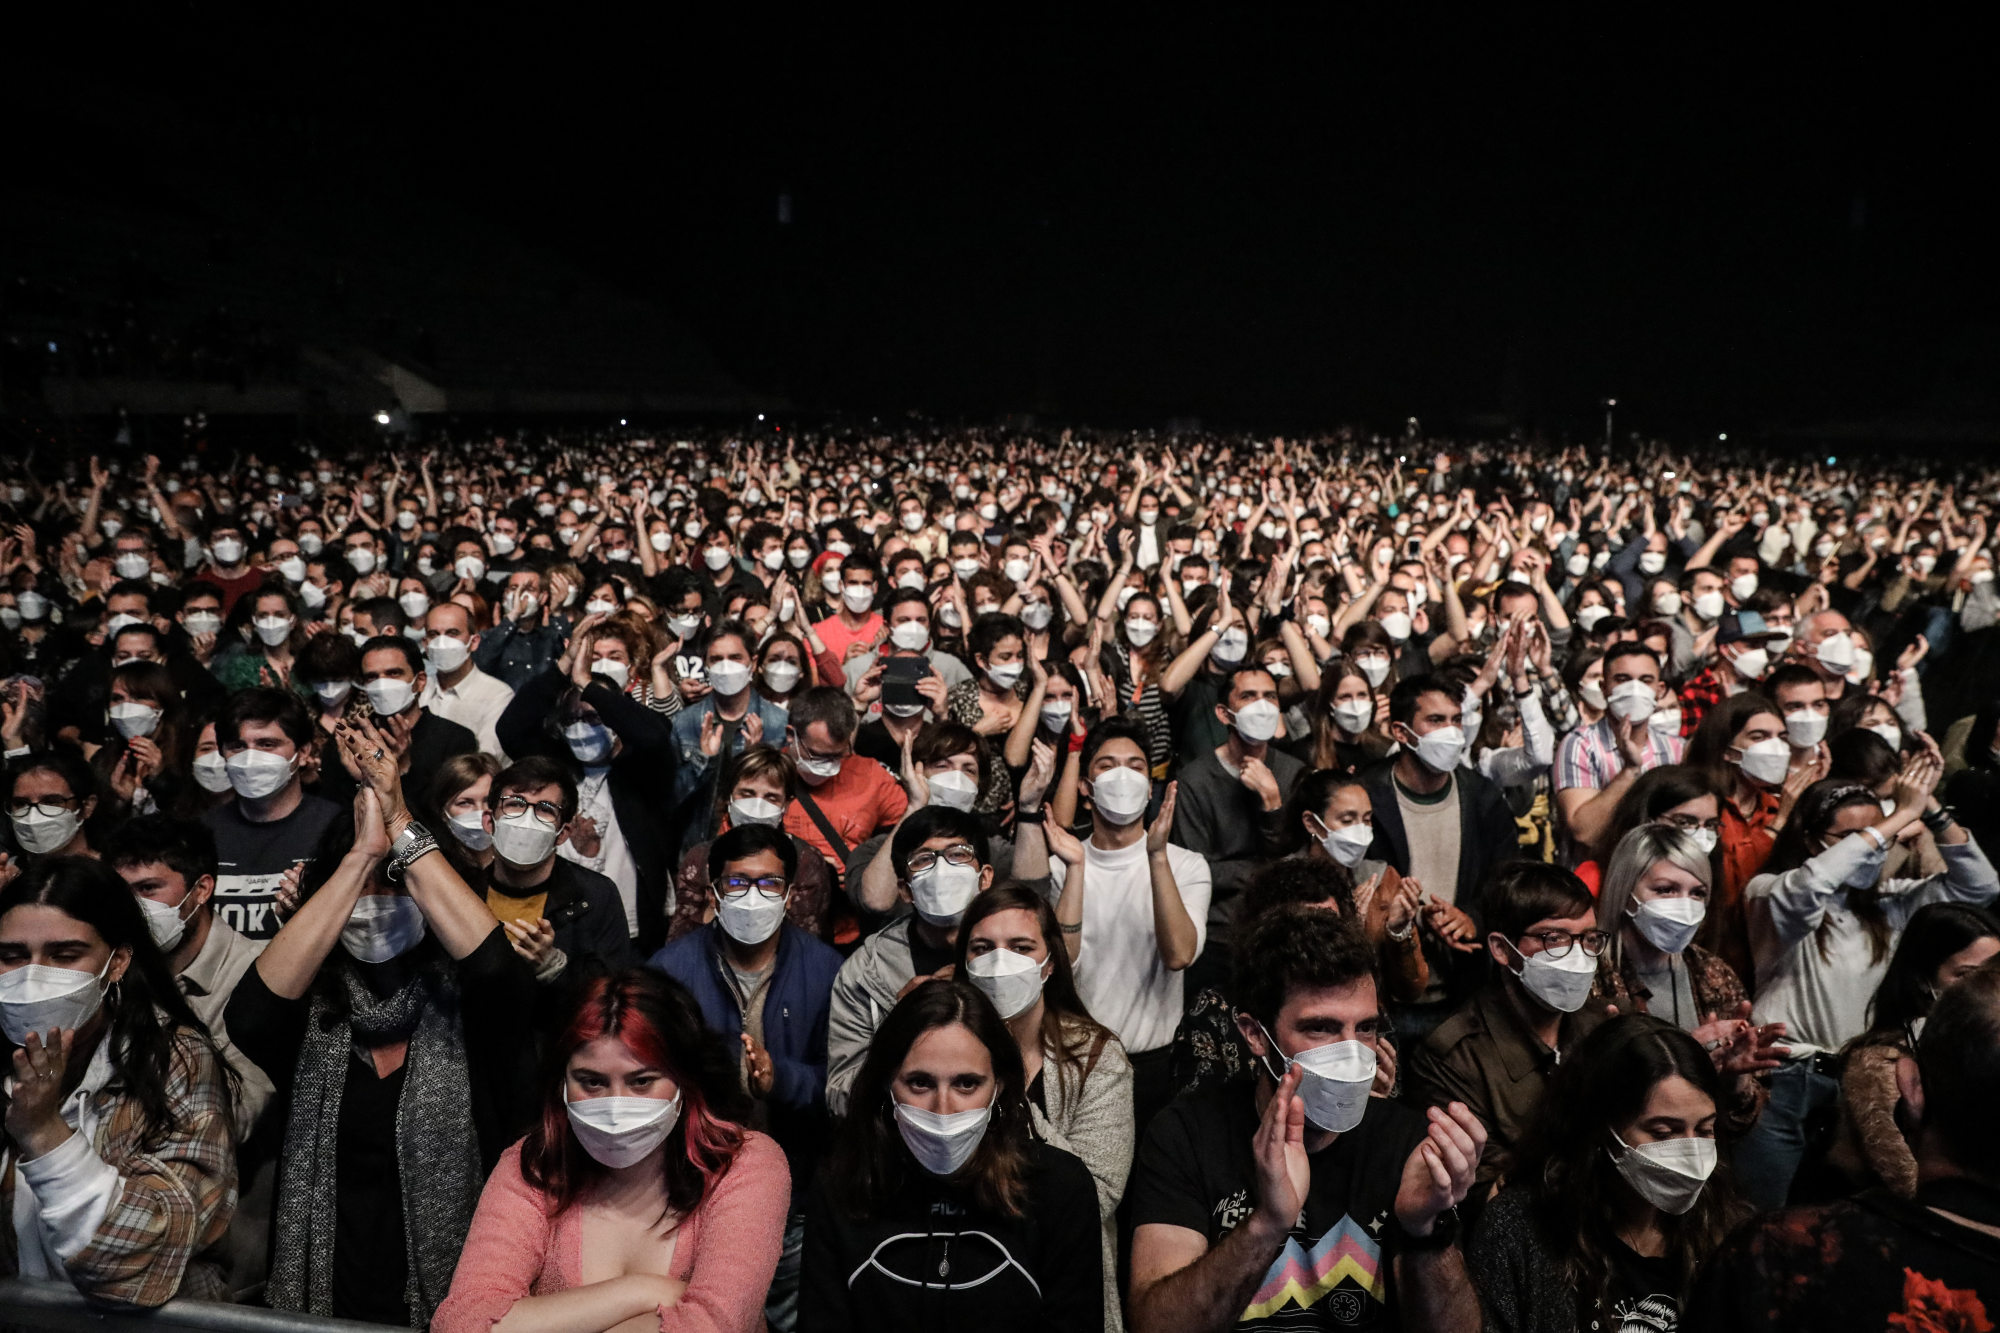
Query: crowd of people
point(847, 879)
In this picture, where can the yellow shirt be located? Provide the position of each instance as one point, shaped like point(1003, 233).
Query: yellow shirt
point(527, 910)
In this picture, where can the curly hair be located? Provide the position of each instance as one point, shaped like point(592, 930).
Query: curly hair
point(1293, 948)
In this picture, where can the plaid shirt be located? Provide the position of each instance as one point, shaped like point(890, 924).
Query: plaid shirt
point(1588, 757)
point(1701, 692)
point(163, 1234)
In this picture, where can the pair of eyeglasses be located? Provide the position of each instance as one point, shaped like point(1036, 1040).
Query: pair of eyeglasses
point(1689, 824)
point(546, 811)
point(47, 806)
point(772, 887)
point(1557, 943)
point(959, 855)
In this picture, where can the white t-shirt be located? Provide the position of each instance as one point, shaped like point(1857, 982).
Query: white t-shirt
point(1119, 975)
point(614, 858)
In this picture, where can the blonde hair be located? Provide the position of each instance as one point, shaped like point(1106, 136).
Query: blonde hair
point(1637, 852)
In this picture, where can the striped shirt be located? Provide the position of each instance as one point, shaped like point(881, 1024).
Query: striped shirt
point(1589, 756)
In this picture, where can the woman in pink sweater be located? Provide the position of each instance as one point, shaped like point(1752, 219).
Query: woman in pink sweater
point(640, 1201)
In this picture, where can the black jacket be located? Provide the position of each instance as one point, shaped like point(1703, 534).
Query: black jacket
point(642, 778)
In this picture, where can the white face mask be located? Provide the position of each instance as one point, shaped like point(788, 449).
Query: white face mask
point(523, 839)
point(1441, 750)
point(943, 892)
point(816, 771)
point(1709, 605)
point(941, 1143)
point(164, 922)
point(133, 565)
point(1751, 663)
point(1004, 675)
point(446, 654)
point(1056, 716)
point(273, 630)
point(1592, 693)
point(1037, 615)
point(1353, 715)
point(228, 551)
point(953, 789)
point(382, 927)
point(619, 1131)
point(1589, 616)
point(211, 772)
point(1396, 624)
point(1889, 732)
point(1336, 1082)
point(716, 558)
point(1805, 729)
point(1139, 633)
point(1120, 795)
point(255, 774)
point(1013, 981)
point(858, 597)
point(1743, 587)
point(1257, 721)
point(1652, 562)
point(134, 719)
point(1348, 843)
point(1836, 653)
point(1864, 666)
point(1668, 1174)
point(1667, 604)
point(754, 810)
point(910, 635)
point(1768, 760)
point(684, 627)
point(1375, 667)
point(41, 999)
point(747, 916)
point(781, 675)
point(1704, 838)
point(38, 833)
point(388, 695)
point(414, 603)
point(1633, 701)
point(470, 830)
point(469, 567)
point(1562, 984)
point(1669, 924)
point(615, 672)
point(728, 678)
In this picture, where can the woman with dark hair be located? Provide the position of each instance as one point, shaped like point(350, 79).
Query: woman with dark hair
point(1133, 658)
point(51, 797)
point(938, 1208)
point(276, 637)
point(455, 803)
point(1675, 794)
point(1741, 744)
point(1346, 719)
point(1860, 710)
point(1942, 943)
point(638, 1194)
point(1618, 1196)
point(1079, 1081)
point(396, 1015)
point(1859, 755)
point(1823, 923)
point(140, 765)
point(1337, 816)
point(120, 1166)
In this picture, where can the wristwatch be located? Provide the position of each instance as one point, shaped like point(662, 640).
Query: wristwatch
point(414, 841)
point(1444, 1234)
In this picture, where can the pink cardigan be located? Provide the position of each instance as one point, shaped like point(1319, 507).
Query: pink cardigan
point(727, 1251)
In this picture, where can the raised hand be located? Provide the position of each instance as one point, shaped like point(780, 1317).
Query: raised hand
point(1163, 824)
point(1283, 1171)
point(1438, 1173)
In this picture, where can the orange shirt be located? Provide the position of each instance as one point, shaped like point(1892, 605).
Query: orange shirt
point(860, 801)
point(1745, 846)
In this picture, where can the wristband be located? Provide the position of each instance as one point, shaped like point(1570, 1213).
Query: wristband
point(1030, 817)
point(1444, 1234)
point(1937, 821)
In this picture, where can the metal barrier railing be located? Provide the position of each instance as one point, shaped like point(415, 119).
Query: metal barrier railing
point(30, 1303)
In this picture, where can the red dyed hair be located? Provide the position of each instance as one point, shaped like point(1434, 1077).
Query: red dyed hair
point(659, 1022)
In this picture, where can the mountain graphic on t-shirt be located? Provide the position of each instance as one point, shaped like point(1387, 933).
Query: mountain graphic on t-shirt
point(1301, 1277)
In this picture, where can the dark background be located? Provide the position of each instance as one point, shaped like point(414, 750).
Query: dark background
point(1477, 221)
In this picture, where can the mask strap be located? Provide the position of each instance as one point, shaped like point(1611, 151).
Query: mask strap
point(1272, 1042)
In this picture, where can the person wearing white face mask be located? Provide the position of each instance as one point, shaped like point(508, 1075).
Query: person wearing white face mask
point(1615, 1207)
point(940, 857)
point(394, 680)
point(1442, 824)
point(1802, 701)
point(96, 1020)
point(724, 721)
point(391, 968)
point(1009, 947)
point(531, 633)
point(1652, 905)
point(169, 865)
point(631, 1116)
point(51, 798)
point(843, 798)
point(575, 716)
point(1823, 922)
point(455, 689)
point(909, 1228)
point(1745, 650)
point(1307, 1152)
point(272, 826)
point(1231, 809)
point(1134, 908)
point(1543, 942)
point(271, 652)
point(764, 984)
point(1338, 821)
point(1596, 765)
point(907, 613)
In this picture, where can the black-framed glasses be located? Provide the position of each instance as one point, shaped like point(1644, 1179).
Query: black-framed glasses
point(1689, 824)
point(959, 854)
point(772, 887)
point(47, 806)
point(1557, 943)
point(548, 812)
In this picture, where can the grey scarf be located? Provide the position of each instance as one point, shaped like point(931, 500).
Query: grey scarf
point(437, 1149)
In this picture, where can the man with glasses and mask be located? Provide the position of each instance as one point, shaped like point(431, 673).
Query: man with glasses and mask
point(843, 799)
point(565, 919)
point(1497, 1053)
point(766, 986)
point(941, 863)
